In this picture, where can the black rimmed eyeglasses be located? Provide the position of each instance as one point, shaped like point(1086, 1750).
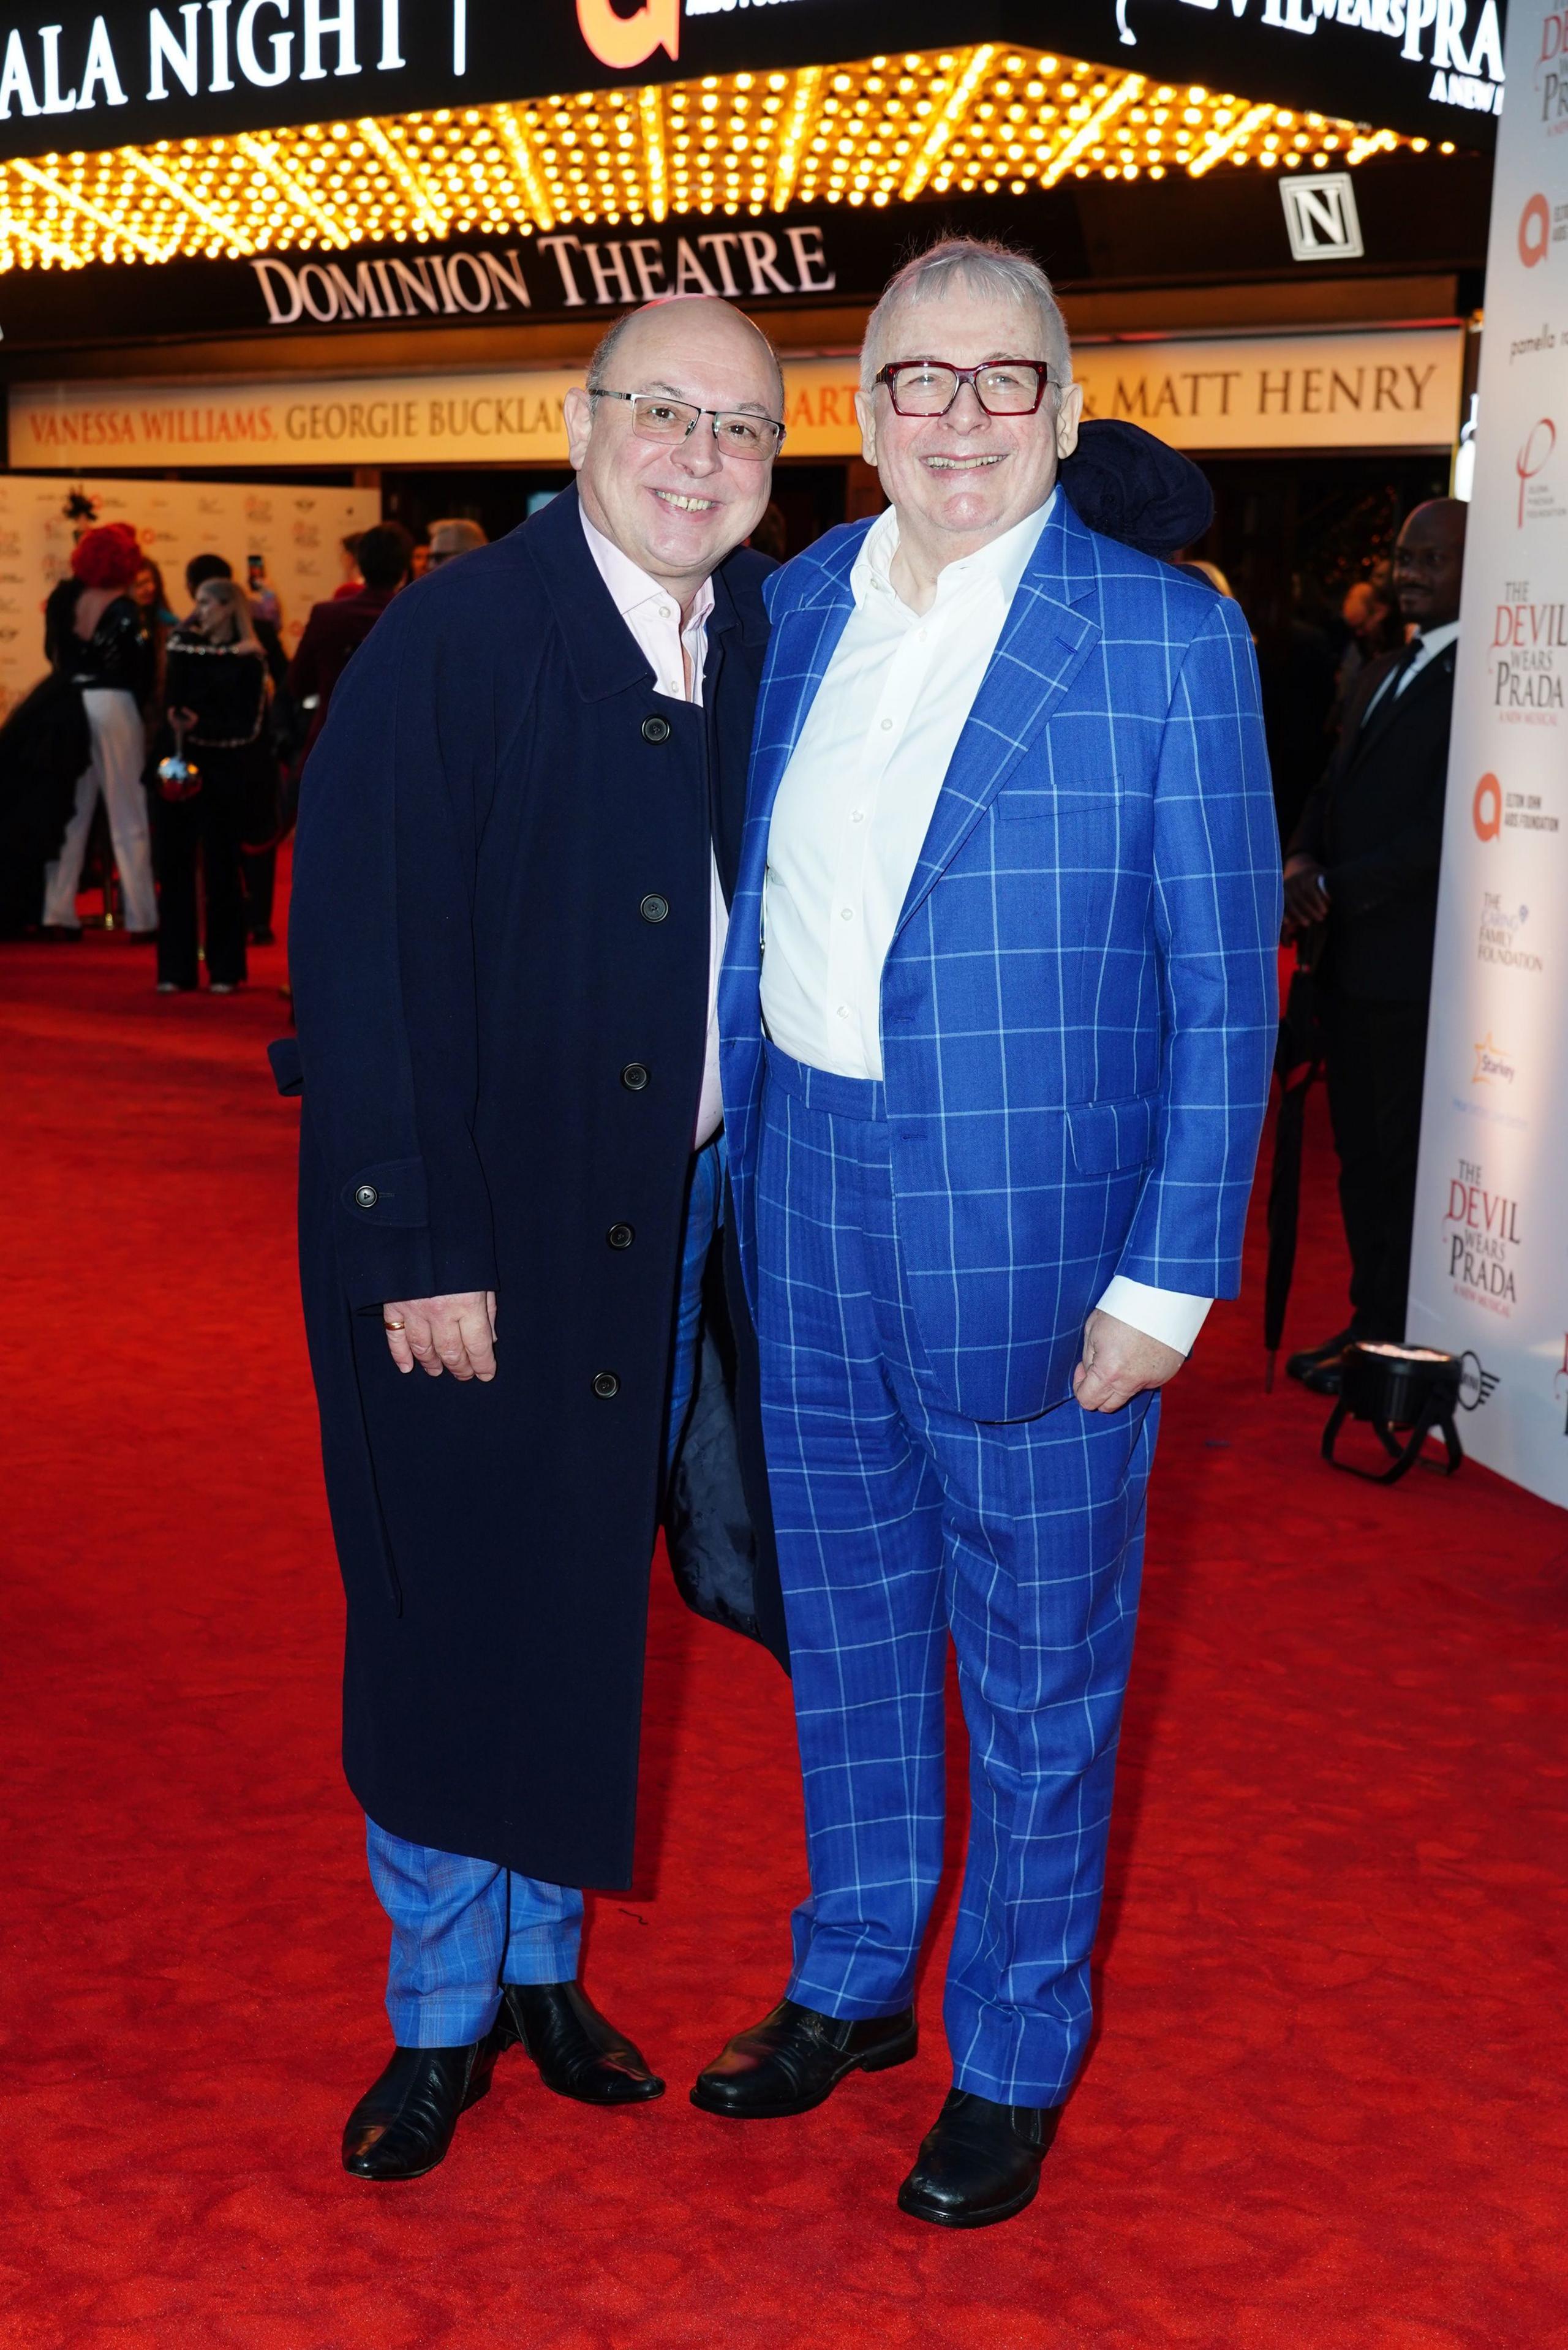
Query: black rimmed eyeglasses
point(736, 433)
point(930, 386)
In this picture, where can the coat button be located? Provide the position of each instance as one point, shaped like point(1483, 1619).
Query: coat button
point(366, 1196)
point(634, 1077)
point(606, 1385)
point(620, 1236)
point(656, 729)
point(654, 909)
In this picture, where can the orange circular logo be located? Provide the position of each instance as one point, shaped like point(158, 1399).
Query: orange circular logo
point(1535, 230)
point(622, 42)
point(1485, 808)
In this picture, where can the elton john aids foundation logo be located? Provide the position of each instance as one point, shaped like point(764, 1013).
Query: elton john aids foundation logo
point(1535, 230)
point(1485, 808)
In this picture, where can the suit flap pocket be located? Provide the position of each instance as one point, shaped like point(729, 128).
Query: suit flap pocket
point(1108, 1135)
point(288, 1073)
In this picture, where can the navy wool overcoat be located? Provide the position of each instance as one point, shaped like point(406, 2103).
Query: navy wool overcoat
point(498, 946)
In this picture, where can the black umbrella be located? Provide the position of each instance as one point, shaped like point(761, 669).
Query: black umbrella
point(1298, 1057)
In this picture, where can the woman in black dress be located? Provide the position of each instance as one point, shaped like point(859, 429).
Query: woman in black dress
point(215, 688)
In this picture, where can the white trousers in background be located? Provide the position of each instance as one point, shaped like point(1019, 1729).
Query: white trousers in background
point(119, 749)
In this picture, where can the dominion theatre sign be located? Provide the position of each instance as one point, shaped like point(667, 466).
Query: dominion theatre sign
point(88, 74)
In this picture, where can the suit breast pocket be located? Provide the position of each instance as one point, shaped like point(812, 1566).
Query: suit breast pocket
point(1064, 839)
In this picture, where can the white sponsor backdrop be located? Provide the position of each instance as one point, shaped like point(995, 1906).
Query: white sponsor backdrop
point(296, 531)
point(1489, 1270)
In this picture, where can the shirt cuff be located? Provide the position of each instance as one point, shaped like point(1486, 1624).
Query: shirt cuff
point(1171, 1315)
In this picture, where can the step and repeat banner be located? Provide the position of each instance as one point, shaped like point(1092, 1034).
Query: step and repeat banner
point(296, 532)
point(1391, 388)
point(1490, 1269)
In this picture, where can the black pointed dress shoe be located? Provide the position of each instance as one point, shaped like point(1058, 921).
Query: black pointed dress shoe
point(578, 2051)
point(402, 2126)
point(1326, 1377)
point(794, 2058)
point(1298, 1366)
point(980, 2162)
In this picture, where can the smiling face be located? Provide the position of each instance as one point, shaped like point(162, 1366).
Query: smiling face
point(1430, 563)
point(961, 480)
point(676, 509)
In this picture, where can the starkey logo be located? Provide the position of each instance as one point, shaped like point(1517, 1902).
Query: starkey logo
point(621, 42)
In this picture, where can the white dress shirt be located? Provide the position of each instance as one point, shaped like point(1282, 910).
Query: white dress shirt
point(853, 810)
point(1427, 643)
point(653, 615)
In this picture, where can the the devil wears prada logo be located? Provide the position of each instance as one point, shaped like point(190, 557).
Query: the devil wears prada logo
point(1481, 1233)
point(622, 42)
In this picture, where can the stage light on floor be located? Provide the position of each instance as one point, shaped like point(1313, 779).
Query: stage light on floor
point(1413, 1390)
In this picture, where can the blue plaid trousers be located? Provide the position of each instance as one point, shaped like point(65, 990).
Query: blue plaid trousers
point(898, 1523)
point(462, 1928)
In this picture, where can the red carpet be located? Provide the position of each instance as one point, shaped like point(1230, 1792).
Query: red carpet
point(1325, 2110)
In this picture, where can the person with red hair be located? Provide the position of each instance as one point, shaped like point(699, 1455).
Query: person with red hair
point(95, 634)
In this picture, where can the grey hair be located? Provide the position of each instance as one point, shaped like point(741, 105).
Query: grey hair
point(603, 360)
point(978, 266)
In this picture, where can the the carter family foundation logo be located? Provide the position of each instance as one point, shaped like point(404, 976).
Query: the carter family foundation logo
point(1494, 1064)
point(1480, 1233)
point(1502, 937)
point(1529, 657)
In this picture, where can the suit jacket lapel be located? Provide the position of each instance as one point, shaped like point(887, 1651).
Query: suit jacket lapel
point(1044, 642)
point(799, 651)
point(1376, 725)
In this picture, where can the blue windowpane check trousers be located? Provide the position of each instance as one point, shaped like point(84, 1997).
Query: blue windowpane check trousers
point(462, 1928)
point(900, 1524)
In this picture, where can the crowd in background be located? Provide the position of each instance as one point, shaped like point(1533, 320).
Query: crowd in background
point(192, 733)
point(188, 732)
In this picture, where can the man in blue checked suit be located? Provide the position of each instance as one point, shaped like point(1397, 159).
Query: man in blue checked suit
point(997, 1013)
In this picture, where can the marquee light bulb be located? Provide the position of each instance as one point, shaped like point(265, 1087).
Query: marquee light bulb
point(846, 133)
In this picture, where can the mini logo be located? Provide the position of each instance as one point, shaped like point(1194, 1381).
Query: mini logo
point(1485, 808)
point(1477, 1384)
point(1539, 442)
point(1493, 1065)
point(1321, 217)
point(1535, 230)
point(621, 42)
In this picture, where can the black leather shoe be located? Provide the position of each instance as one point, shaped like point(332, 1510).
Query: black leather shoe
point(794, 2058)
point(403, 2126)
point(1325, 1378)
point(981, 2163)
point(1298, 1366)
point(578, 2051)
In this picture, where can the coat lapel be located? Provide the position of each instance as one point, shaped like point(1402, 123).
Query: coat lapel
point(1044, 642)
point(1372, 728)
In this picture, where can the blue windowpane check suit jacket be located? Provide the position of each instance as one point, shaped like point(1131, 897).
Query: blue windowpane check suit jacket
point(1079, 1005)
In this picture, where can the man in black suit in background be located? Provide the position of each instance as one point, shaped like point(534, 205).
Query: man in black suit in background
point(1362, 870)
